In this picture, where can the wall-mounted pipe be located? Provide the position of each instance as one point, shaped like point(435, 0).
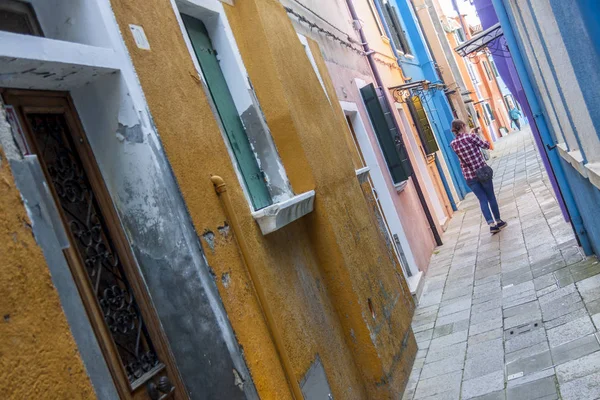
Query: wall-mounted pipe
point(379, 81)
point(221, 189)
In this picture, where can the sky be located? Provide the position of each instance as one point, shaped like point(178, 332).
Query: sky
point(465, 7)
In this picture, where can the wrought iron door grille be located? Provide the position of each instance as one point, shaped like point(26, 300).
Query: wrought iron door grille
point(91, 239)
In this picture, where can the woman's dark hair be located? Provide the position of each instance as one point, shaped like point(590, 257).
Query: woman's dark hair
point(457, 126)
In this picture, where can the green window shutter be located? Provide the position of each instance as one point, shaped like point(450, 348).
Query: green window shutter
point(387, 134)
point(423, 126)
point(390, 24)
point(398, 34)
point(236, 134)
point(490, 111)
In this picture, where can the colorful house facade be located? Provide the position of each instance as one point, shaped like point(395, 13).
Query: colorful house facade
point(483, 88)
point(551, 65)
point(405, 189)
point(420, 66)
point(181, 217)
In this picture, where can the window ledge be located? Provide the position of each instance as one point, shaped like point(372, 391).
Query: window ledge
point(400, 186)
point(281, 214)
point(574, 157)
point(593, 173)
point(49, 64)
point(362, 174)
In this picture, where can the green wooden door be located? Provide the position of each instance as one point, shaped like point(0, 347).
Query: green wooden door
point(236, 134)
point(423, 126)
point(387, 134)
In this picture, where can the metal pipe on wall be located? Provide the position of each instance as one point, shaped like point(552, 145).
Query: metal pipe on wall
point(379, 81)
point(221, 189)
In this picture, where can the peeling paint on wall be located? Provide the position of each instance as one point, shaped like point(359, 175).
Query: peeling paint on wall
point(209, 238)
point(226, 279)
point(132, 134)
point(224, 229)
point(266, 153)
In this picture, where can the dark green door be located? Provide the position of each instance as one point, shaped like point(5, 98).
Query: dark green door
point(423, 126)
point(207, 57)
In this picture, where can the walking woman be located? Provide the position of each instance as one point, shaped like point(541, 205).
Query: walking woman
point(478, 174)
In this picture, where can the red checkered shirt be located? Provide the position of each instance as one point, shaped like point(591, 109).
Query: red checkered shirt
point(468, 148)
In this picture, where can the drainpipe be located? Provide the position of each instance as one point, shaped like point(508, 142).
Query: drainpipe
point(547, 141)
point(379, 81)
point(259, 290)
point(460, 18)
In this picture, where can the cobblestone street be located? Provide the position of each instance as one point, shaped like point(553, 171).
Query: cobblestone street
point(515, 315)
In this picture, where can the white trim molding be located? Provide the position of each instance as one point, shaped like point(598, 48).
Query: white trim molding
point(363, 174)
point(593, 173)
point(47, 64)
point(281, 214)
point(401, 186)
point(573, 157)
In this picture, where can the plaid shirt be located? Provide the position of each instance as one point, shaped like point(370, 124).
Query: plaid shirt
point(468, 149)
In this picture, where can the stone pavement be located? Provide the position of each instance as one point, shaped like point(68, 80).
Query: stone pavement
point(512, 316)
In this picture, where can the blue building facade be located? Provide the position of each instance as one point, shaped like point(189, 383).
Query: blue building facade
point(416, 61)
point(557, 58)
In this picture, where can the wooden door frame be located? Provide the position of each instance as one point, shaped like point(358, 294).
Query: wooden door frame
point(28, 101)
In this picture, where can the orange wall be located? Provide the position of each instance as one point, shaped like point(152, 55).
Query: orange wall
point(38, 356)
point(470, 86)
point(320, 271)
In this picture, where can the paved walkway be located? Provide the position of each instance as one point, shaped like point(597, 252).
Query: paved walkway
point(515, 315)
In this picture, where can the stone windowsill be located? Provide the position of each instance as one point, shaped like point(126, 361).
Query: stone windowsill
point(362, 174)
point(278, 215)
point(49, 64)
point(573, 157)
point(400, 186)
point(593, 173)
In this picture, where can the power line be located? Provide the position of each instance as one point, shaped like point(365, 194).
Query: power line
point(327, 33)
point(321, 18)
point(332, 36)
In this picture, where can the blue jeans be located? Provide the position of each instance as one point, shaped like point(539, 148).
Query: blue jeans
point(487, 199)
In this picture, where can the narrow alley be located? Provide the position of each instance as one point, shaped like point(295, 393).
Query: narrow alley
point(271, 199)
point(509, 316)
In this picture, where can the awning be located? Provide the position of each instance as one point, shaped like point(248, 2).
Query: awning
point(401, 92)
point(480, 41)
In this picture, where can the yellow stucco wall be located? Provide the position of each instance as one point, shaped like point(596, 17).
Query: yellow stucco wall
point(320, 271)
point(38, 356)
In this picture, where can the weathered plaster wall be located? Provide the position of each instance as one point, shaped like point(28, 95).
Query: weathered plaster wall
point(367, 189)
point(344, 67)
point(320, 271)
point(38, 356)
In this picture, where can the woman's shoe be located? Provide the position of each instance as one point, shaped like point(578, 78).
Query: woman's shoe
point(501, 225)
point(494, 229)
